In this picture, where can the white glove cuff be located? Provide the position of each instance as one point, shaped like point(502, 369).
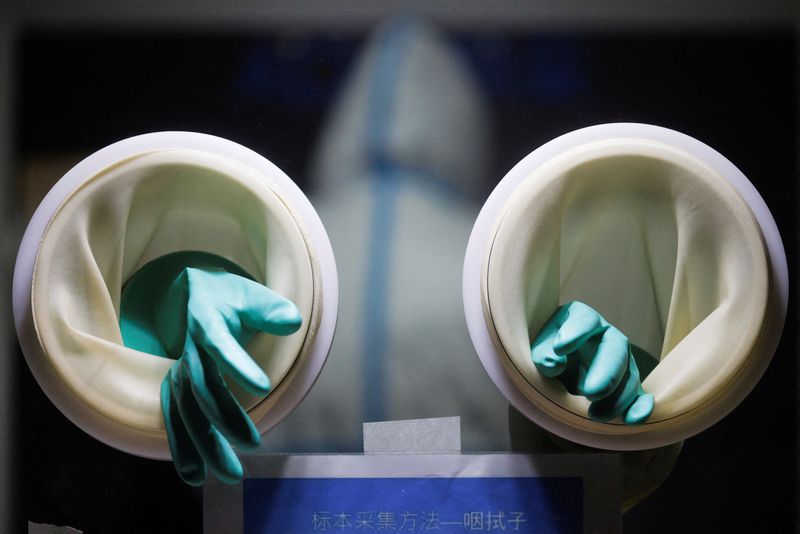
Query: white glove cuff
point(127, 205)
point(646, 226)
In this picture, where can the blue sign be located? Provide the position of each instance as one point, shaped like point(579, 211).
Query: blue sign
point(445, 505)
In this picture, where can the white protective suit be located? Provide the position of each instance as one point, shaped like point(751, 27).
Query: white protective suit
point(405, 150)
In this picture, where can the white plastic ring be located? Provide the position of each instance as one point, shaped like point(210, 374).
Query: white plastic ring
point(493, 361)
point(269, 412)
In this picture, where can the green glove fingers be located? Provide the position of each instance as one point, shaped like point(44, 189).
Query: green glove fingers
point(594, 359)
point(550, 363)
point(578, 323)
point(217, 402)
point(201, 309)
point(616, 403)
point(213, 448)
point(223, 309)
point(212, 334)
point(608, 367)
point(640, 410)
point(190, 465)
point(267, 311)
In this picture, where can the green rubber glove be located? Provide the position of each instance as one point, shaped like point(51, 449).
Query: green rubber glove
point(594, 359)
point(202, 315)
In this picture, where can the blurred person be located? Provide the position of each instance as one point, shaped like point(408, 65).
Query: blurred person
point(399, 169)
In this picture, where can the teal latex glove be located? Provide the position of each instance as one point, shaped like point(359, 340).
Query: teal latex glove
point(594, 359)
point(202, 316)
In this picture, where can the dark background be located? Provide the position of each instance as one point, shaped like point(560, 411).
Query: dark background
point(735, 90)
